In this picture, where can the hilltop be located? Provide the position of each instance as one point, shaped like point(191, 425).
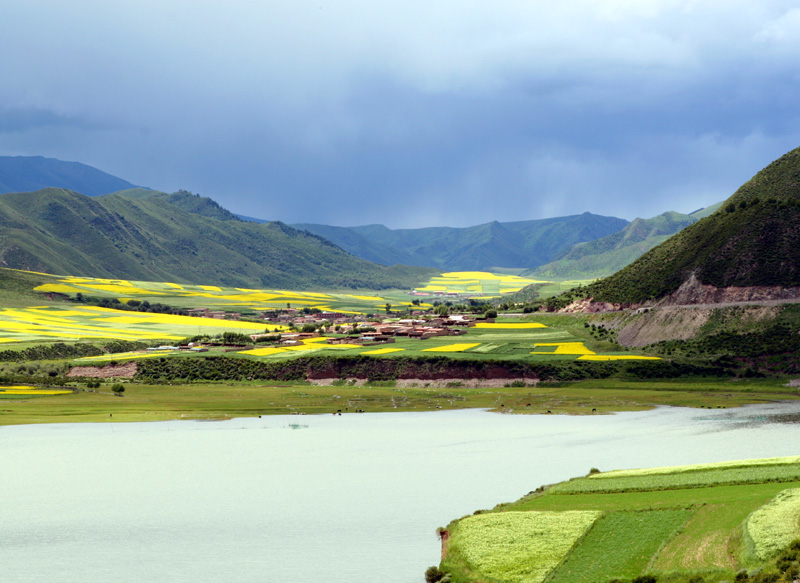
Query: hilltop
point(518, 244)
point(149, 238)
point(29, 173)
point(748, 247)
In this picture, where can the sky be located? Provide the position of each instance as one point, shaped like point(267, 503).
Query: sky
point(413, 113)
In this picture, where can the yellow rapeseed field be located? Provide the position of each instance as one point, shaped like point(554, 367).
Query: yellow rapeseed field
point(576, 348)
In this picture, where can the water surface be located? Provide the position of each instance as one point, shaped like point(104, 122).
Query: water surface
point(337, 499)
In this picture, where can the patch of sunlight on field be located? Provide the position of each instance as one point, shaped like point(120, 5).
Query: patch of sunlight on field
point(576, 348)
point(477, 282)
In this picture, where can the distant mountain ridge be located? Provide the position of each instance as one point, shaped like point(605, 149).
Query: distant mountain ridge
point(149, 238)
point(31, 173)
point(607, 255)
point(519, 244)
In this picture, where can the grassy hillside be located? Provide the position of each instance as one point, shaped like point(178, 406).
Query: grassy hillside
point(29, 173)
point(185, 200)
point(702, 523)
point(751, 241)
point(116, 236)
point(520, 244)
point(607, 255)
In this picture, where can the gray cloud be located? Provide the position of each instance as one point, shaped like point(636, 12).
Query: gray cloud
point(412, 113)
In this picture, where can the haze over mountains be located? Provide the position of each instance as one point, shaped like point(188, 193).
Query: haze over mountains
point(519, 244)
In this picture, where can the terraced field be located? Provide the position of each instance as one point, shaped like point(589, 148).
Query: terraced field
point(690, 523)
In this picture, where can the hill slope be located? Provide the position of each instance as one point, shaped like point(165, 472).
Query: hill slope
point(519, 244)
point(751, 241)
point(29, 173)
point(607, 255)
point(116, 236)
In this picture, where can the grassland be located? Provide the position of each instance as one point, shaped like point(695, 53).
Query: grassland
point(224, 400)
point(677, 535)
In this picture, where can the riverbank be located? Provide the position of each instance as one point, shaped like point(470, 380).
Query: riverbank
point(216, 401)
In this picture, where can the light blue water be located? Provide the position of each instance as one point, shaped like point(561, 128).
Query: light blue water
point(345, 499)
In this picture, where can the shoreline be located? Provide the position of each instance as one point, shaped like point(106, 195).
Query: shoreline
point(221, 401)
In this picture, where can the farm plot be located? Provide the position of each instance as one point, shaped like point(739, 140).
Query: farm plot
point(686, 479)
point(90, 322)
point(476, 282)
point(712, 530)
point(26, 391)
point(212, 296)
point(518, 547)
point(773, 526)
point(619, 545)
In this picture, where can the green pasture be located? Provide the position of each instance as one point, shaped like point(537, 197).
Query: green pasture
point(675, 534)
point(619, 545)
point(224, 400)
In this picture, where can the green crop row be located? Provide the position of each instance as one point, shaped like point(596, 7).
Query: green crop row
point(686, 479)
point(619, 545)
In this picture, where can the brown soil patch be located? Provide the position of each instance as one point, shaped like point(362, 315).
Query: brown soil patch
point(126, 370)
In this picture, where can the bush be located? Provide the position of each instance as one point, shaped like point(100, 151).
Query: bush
point(118, 389)
point(433, 575)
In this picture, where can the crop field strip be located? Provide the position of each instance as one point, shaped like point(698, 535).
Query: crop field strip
point(772, 527)
point(686, 479)
point(519, 546)
point(619, 545)
point(664, 531)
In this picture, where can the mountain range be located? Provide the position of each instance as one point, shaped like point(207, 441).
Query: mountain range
point(584, 246)
point(519, 244)
point(151, 237)
point(29, 173)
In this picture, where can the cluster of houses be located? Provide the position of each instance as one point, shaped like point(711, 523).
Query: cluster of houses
point(385, 333)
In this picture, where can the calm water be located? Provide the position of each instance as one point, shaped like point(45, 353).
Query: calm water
point(345, 499)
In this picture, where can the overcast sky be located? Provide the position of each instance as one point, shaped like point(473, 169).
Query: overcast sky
point(408, 113)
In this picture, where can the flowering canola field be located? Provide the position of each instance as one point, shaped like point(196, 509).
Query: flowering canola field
point(92, 322)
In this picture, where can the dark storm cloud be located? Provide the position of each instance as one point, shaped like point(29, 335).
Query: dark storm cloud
point(410, 113)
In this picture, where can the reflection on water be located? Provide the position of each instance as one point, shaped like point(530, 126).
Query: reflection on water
point(785, 413)
point(338, 499)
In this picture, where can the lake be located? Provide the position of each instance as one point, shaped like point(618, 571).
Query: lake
point(306, 499)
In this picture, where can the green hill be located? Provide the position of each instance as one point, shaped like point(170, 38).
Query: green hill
point(149, 238)
point(519, 244)
point(185, 200)
point(752, 240)
point(28, 173)
point(607, 255)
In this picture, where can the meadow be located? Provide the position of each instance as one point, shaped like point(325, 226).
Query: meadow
point(709, 531)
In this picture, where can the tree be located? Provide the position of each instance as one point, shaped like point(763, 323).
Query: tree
point(388, 307)
point(118, 389)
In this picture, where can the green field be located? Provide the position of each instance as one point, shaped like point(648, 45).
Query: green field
point(711, 531)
